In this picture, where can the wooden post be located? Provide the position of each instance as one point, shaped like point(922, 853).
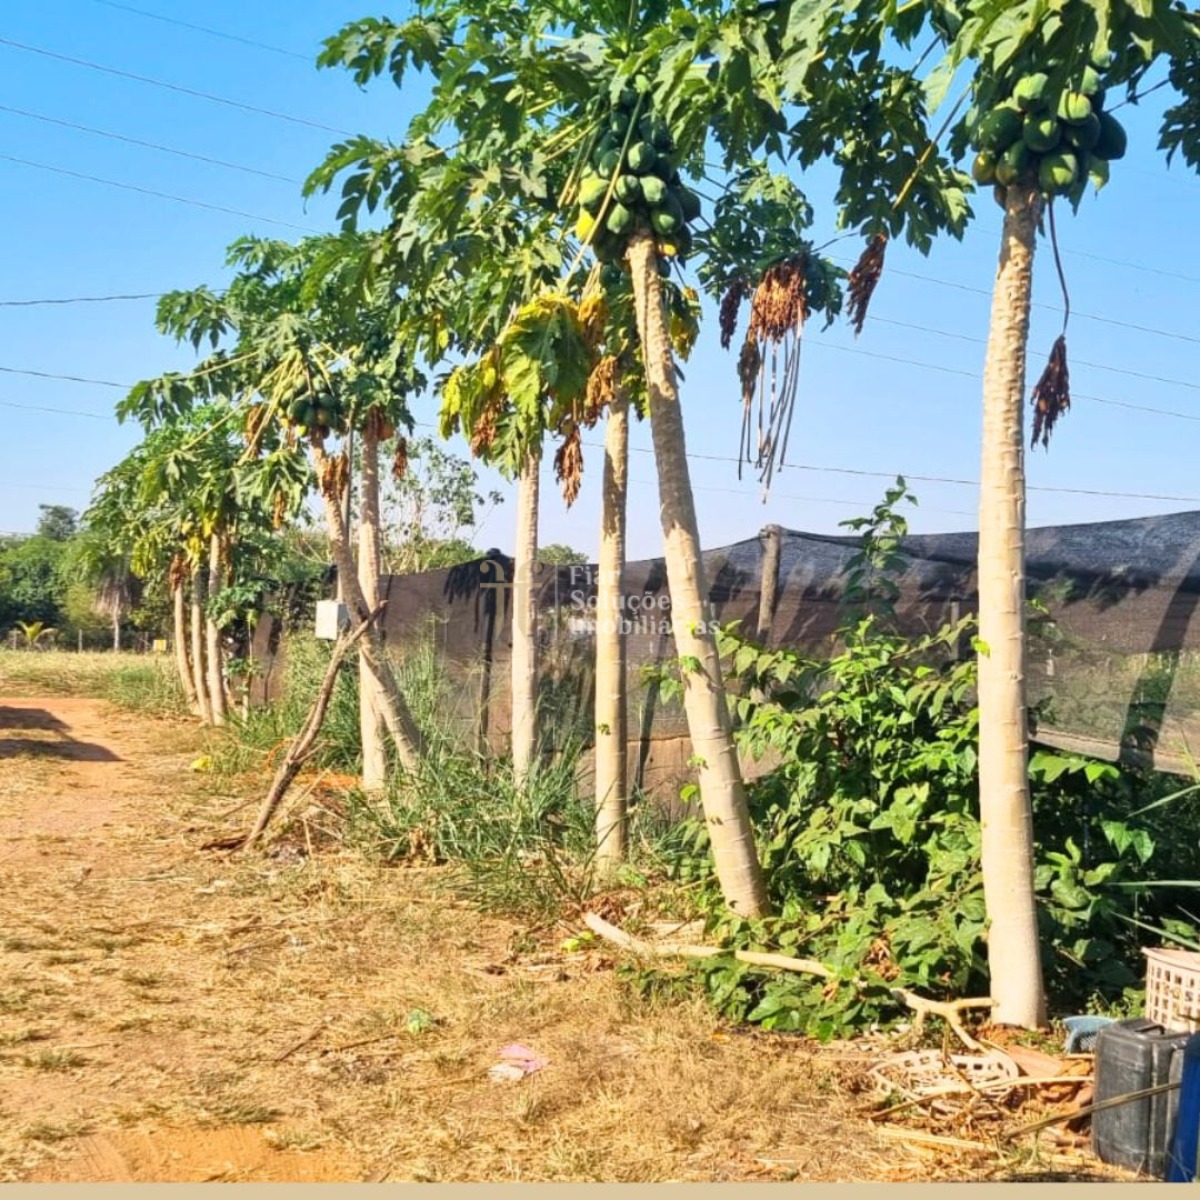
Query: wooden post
point(772, 538)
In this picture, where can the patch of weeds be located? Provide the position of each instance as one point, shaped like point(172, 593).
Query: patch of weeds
point(239, 1112)
point(22, 1037)
point(293, 1139)
point(65, 958)
point(129, 1024)
point(142, 979)
point(55, 1060)
point(48, 1133)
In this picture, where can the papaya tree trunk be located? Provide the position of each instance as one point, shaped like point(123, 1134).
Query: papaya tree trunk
point(116, 619)
point(374, 752)
point(612, 780)
point(200, 679)
point(722, 792)
point(215, 656)
point(524, 621)
point(401, 727)
point(1005, 816)
point(179, 606)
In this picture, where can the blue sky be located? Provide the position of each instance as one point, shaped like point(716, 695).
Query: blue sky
point(904, 397)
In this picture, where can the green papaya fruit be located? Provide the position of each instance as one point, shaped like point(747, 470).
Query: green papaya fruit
point(628, 99)
point(1090, 83)
point(628, 189)
point(610, 164)
point(1098, 171)
point(999, 129)
point(1011, 163)
point(983, 169)
point(1113, 141)
point(592, 190)
point(607, 247)
point(618, 124)
point(620, 220)
point(604, 146)
point(1085, 136)
point(1041, 133)
point(669, 218)
point(641, 158)
point(611, 276)
point(1030, 92)
point(296, 412)
point(1058, 172)
point(655, 130)
point(1074, 107)
point(689, 202)
point(654, 190)
point(664, 168)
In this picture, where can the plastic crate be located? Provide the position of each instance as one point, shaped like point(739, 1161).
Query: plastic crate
point(1173, 988)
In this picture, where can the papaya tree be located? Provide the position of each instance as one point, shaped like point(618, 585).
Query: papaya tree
point(1042, 85)
point(286, 359)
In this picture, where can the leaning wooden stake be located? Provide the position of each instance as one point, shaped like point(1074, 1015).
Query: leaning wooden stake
point(949, 1010)
point(302, 747)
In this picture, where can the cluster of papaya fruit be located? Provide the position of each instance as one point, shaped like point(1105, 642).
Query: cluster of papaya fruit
point(320, 414)
point(632, 182)
point(1061, 146)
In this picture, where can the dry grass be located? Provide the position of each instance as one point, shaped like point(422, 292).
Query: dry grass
point(297, 1016)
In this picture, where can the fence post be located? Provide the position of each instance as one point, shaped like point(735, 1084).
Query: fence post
point(769, 583)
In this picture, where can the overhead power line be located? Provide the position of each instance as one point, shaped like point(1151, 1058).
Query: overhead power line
point(132, 141)
point(217, 33)
point(1056, 308)
point(132, 187)
point(945, 370)
point(854, 471)
point(176, 87)
point(64, 378)
point(62, 412)
point(720, 458)
point(79, 300)
point(978, 341)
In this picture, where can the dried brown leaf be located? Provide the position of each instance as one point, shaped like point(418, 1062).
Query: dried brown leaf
point(863, 279)
point(1052, 396)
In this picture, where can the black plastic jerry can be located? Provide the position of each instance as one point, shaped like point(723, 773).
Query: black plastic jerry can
point(1132, 1055)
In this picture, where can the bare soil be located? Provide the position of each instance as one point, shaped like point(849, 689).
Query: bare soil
point(174, 1014)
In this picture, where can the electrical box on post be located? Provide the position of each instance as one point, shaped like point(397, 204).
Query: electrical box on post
point(332, 618)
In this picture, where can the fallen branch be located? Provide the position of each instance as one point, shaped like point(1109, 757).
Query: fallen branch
point(901, 1134)
point(302, 748)
point(311, 1036)
point(959, 1089)
point(949, 1010)
point(1088, 1109)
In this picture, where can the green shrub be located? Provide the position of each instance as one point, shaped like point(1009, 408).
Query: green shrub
point(869, 833)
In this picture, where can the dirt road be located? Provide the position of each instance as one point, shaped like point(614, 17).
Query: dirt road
point(168, 1013)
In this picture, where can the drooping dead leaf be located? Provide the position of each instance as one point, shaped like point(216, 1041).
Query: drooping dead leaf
point(1052, 396)
point(600, 391)
point(568, 465)
point(863, 279)
point(731, 302)
point(335, 477)
point(400, 459)
point(379, 425)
